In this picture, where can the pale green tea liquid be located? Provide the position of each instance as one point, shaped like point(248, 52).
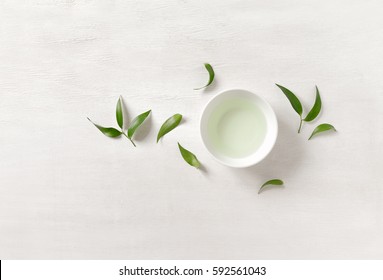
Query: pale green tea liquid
point(236, 128)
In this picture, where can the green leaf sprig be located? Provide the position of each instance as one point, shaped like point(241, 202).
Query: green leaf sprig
point(275, 182)
point(134, 125)
point(170, 124)
point(312, 115)
point(210, 70)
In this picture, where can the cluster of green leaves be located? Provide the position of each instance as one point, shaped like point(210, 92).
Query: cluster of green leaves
point(312, 115)
point(132, 127)
point(173, 121)
point(170, 124)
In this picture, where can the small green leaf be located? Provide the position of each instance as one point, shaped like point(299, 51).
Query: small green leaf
point(321, 128)
point(108, 131)
point(209, 69)
point(315, 110)
point(137, 121)
point(294, 101)
point(170, 124)
point(270, 182)
point(119, 115)
point(189, 157)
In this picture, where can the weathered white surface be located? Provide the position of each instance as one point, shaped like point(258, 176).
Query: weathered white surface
point(67, 191)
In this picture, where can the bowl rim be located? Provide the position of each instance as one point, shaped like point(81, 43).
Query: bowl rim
point(248, 163)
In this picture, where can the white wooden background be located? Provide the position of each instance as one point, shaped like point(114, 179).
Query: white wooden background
point(67, 191)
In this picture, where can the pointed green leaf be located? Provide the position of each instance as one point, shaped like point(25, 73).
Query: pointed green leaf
point(277, 182)
point(294, 101)
point(108, 131)
point(189, 157)
point(137, 121)
point(170, 124)
point(315, 110)
point(119, 114)
point(321, 128)
point(210, 70)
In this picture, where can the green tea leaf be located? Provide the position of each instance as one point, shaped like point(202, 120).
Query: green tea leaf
point(189, 157)
point(277, 182)
point(108, 131)
point(209, 69)
point(170, 124)
point(321, 128)
point(137, 121)
point(119, 115)
point(294, 101)
point(315, 110)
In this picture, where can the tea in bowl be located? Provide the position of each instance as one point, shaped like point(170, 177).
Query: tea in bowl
point(238, 128)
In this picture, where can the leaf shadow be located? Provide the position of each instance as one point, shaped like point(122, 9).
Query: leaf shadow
point(183, 121)
point(203, 169)
point(144, 129)
point(282, 162)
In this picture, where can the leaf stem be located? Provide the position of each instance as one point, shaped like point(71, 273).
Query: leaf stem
point(129, 139)
point(300, 126)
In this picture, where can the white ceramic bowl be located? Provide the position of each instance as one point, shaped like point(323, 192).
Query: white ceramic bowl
point(266, 139)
